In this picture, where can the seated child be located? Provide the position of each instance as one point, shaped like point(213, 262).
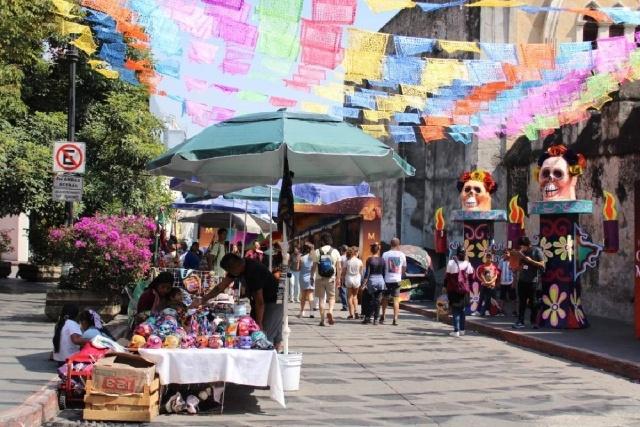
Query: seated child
point(91, 325)
point(67, 336)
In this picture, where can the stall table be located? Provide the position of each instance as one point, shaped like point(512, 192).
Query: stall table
point(258, 368)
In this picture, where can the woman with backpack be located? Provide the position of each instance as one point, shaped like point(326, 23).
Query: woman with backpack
point(459, 275)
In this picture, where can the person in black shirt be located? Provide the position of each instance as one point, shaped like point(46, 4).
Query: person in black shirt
point(531, 263)
point(262, 289)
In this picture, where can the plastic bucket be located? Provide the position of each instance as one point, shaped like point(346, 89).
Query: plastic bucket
point(290, 365)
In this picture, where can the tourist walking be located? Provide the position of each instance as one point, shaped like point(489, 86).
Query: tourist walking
point(193, 257)
point(342, 290)
point(327, 269)
point(294, 268)
point(255, 253)
point(216, 252)
point(531, 262)
point(395, 266)
point(306, 279)
point(352, 280)
point(373, 284)
point(488, 276)
point(459, 274)
point(507, 288)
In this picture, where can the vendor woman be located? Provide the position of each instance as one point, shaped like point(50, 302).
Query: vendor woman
point(262, 289)
point(154, 297)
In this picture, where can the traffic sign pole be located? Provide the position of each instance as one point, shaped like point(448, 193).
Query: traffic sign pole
point(72, 56)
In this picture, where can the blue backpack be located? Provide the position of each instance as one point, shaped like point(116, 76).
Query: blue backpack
point(325, 264)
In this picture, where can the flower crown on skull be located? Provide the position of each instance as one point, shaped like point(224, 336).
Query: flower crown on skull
point(576, 161)
point(479, 175)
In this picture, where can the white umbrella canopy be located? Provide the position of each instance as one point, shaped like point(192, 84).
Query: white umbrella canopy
point(221, 220)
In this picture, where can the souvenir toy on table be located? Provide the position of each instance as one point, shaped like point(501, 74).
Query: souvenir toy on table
point(171, 341)
point(215, 341)
point(202, 341)
point(144, 330)
point(260, 341)
point(192, 284)
point(247, 323)
point(137, 341)
point(154, 342)
point(187, 341)
point(245, 342)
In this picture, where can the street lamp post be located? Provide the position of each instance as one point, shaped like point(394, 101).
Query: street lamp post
point(72, 57)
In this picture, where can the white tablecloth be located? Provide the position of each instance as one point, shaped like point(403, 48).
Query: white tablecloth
point(258, 368)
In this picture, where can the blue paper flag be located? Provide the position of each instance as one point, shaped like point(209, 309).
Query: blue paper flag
point(409, 46)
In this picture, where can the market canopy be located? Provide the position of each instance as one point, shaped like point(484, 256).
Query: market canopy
point(251, 149)
point(254, 224)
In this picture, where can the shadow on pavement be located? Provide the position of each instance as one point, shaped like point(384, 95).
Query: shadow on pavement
point(37, 362)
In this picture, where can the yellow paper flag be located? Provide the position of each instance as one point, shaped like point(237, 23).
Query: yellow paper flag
point(374, 116)
point(100, 67)
point(376, 131)
point(85, 42)
point(313, 107)
point(378, 6)
point(367, 41)
point(496, 3)
point(413, 90)
point(63, 8)
point(334, 92)
point(441, 72)
point(454, 46)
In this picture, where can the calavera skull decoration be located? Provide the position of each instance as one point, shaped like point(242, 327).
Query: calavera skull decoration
point(557, 173)
point(202, 341)
point(154, 341)
point(171, 341)
point(187, 341)
point(137, 341)
point(476, 188)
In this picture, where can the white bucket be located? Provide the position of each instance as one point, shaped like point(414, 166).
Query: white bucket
point(290, 365)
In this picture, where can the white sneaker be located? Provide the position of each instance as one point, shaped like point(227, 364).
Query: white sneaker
point(462, 333)
point(454, 334)
point(475, 314)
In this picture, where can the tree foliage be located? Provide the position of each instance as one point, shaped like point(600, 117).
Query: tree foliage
point(112, 117)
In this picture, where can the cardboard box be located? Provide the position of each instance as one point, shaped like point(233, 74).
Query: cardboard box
point(148, 397)
point(122, 373)
point(121, 413)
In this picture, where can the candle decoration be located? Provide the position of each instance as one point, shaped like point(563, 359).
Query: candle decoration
point(610, 224)
point(515, 228)
point(440, 234)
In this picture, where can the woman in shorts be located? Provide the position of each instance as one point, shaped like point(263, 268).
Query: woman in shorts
point(306, 279)
point(352, 280)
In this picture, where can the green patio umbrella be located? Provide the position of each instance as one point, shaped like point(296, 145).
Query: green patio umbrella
point(250, 150)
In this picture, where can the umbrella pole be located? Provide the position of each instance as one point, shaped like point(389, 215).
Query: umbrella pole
point(285, 302)
point(244, 237)
point(270, 228)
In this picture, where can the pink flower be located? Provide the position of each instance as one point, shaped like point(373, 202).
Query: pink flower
point(107, 256)
point(80, 244)
point(56, 234)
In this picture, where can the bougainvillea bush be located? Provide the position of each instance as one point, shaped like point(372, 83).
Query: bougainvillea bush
point(107, 252)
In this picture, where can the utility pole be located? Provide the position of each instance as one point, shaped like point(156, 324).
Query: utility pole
point(72, 57)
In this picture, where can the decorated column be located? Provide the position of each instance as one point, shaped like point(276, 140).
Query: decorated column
point(476, 188)
point(568, 250)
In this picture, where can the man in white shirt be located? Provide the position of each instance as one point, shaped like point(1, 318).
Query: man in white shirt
point(327, 271)
point(343, 268)
point(395, 266)
point(457, 299)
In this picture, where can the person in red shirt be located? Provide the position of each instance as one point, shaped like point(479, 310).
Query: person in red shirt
point(488, 274)
point(256, 253)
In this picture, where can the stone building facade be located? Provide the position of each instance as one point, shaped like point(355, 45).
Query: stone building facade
point(609, 140)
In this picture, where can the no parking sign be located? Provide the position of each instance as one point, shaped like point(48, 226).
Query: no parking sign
point(69, 157)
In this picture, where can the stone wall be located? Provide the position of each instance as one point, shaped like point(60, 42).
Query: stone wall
point(609, 140)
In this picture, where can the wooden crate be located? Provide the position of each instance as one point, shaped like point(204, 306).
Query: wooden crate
point(141, 407)
point(119, 413)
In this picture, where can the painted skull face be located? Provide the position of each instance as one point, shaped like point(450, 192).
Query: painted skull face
point(555, 181)
point(475, 197)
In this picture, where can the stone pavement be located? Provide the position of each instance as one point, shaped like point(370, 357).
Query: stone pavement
point(25, 341)
point(415, 374)
point(606, 344)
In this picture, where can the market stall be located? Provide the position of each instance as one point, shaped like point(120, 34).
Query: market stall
point(257, 368)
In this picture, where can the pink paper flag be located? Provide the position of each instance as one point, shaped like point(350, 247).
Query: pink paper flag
point(194, 84)
point(334, 11)
point(202, 53)
point(231, 4)
point(282, 102)
point(239, 33)
point(238, 15)
point(311, 72)
point(321, 36)
point(297, 85)
point(225, 89)
point(235, 68)
point(322, 58)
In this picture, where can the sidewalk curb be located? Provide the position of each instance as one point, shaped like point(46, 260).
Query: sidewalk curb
point(592, 359)
point(40, 407)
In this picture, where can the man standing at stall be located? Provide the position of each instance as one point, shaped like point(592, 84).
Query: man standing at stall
point(216, 251)
point(262, 289)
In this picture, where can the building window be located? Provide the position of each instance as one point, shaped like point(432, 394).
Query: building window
point(616, 30)
point(589, 30)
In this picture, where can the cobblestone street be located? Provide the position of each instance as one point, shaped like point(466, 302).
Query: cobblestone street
point(415, 374)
